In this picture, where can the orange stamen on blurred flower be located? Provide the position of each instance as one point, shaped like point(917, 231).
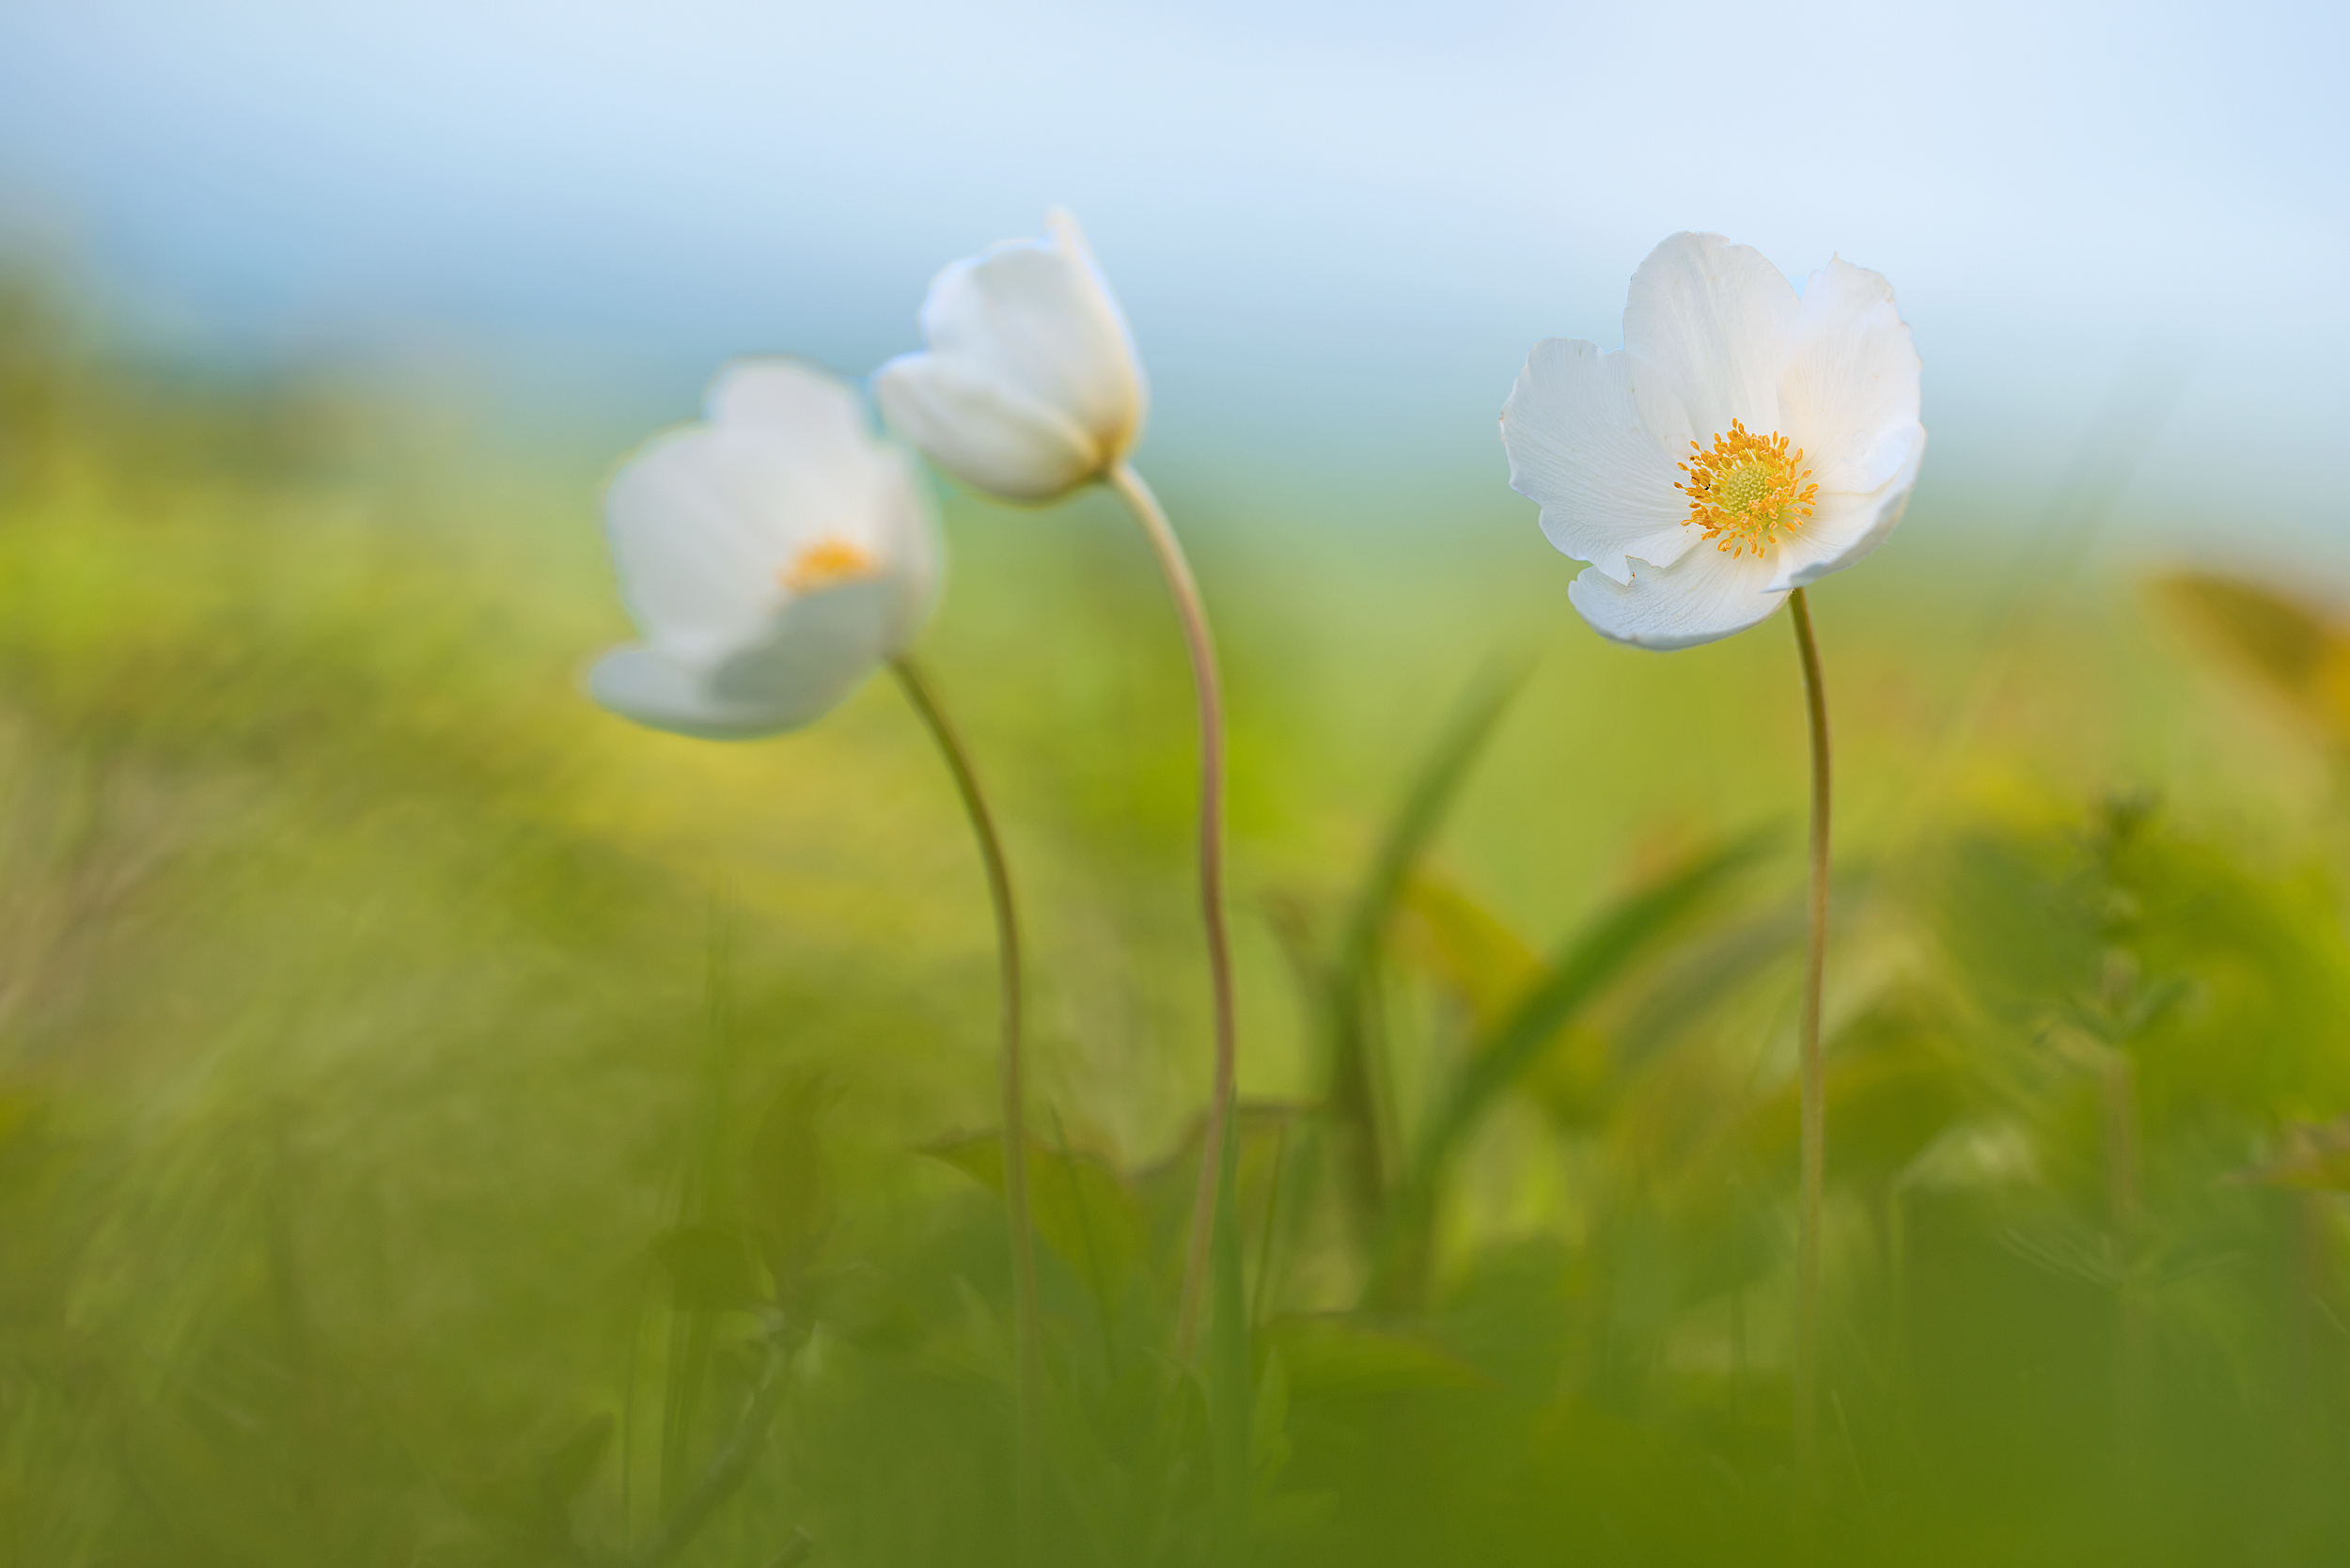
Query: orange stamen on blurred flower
point(827, 563)
point(1746, 490)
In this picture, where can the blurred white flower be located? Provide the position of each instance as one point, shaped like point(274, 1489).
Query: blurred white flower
point(772, 555)
point(1029, 386)
point(1745, 441)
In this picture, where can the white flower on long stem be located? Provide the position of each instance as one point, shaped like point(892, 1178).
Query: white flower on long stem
point(1028, 385)
point(773, 556)
point(1745, 441)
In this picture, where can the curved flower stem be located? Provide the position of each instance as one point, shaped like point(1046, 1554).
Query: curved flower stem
point(1814, 1074)
point(1201, 645)
point(1027, 1348)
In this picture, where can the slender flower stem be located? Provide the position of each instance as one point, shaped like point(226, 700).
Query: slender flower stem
point(1201, 644)
point(1814, 1074)
point(1027, 1347)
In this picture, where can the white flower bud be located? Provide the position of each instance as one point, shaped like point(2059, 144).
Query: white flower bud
point(1029, 385)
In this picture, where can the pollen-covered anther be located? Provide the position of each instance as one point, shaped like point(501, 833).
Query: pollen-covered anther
point(828, 563)
point(1747, 488)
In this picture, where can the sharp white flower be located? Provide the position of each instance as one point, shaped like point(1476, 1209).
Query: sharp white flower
point(1745, 440)
point(1028, 385)
point(773, 556)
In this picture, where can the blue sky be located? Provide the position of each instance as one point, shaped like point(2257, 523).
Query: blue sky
point(1337, 226)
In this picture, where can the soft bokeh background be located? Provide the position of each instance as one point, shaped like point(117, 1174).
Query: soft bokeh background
point(1337, 226)
point(379, 1018)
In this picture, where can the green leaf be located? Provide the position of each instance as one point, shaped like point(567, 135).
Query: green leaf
point(1893, 1087)
point(710, 1268)
point(1464, 947)
point(1610, 945)
point(1328, 1356)
point(1086, 1211)
point(1358, 1091)
point(1574, 1077)
point(1500, 1059)
point(571, 1463)
point(1442, 772)
point(1269, 1446)
point(2285, 645)
point(787, 1198)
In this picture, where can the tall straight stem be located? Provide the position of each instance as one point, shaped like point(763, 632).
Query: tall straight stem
point(1812, 1072)
point(1201, 646)
point(1027, 1345)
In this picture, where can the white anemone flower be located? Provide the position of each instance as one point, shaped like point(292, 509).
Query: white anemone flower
point(1028, 385)
point(1745, 440)
point(773, 556)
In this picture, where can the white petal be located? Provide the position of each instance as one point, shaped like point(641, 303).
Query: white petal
point(1600, 464)
point(1845, 527)
point(1040, 316)
point(817, 651)
point(1712, 320)
point(816, 470)
point(1851, 379)
point(706, 522)
point(982, 429)
point(1032, 384)
point(694, 572)
point(1113, 396)
point(640, 685)
point(1704, 596)
point(789, 401)
point(916, 556)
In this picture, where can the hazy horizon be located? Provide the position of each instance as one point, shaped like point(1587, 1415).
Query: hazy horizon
point(1337, 232)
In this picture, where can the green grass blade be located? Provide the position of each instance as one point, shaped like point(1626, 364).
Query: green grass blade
point(1442, 772)
point(1591, 962)
point(1585, 967)
point(686, 1368)
point(1357, 1085)
point(1229, 1396)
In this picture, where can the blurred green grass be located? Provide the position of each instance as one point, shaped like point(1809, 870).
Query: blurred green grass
point(418, 1088)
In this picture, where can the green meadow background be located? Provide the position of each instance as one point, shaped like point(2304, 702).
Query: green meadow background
point(442, 1125)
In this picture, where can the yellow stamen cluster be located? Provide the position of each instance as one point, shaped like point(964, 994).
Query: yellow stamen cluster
point(1746, 490)
point(827, 563)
